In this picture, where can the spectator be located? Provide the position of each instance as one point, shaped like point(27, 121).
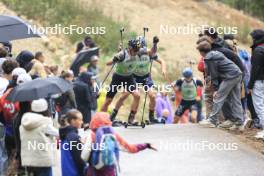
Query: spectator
point(67, 100)
point(101, 127)
point(24, 58)
point(37, 127)
point(163, 107)
point(83, 93)
point(8, 66)
point(256, 83)
point(38, 65)
point(71, 162)
point(9, 111)
point(92, 67)
point(218, 67)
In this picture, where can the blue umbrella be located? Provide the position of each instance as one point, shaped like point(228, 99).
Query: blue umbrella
point(13, 28)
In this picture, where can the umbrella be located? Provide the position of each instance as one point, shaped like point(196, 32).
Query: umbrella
point(83, 57)
point(13, 28)
point(39, 88)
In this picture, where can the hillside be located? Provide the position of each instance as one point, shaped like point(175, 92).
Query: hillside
point(56, 48)
point(178, 48)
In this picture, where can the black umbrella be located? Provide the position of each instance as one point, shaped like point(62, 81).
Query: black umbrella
point(13, 28)
point(39, 88)
point(83, 57)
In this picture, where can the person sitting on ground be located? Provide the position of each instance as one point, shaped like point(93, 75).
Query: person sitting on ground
point(101, 128)
point(38, 65)
point(163, 107)
point(228, 91)
point(37, 127)
point(190, 89)
point(71, 161)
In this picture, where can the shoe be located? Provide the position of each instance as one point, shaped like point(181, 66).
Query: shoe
point(248, 123)
point(117, 123)
point(236, 127)
point(260, 135)
point(207, 123)
point(226, 124)
point(153, 120)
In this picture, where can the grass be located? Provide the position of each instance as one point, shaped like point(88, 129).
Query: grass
point(68, 12)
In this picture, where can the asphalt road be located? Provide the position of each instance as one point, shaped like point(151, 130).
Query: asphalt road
point(187, 150)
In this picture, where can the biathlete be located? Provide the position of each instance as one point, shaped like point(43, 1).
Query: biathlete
point(142, 76)
point(123, 76)
point(190, 89)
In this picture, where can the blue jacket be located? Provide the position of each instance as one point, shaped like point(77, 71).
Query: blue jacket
point(71, 162)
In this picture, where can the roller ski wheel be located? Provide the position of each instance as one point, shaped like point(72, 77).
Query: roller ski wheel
point(143, 125)
point(147, 122)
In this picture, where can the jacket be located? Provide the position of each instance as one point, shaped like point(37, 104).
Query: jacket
point(219, 68)
point(257, 58)
point(71, 162)
point(83, 95)
point(38, 146)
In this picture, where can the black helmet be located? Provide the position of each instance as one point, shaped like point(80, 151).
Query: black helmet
point(135, 44)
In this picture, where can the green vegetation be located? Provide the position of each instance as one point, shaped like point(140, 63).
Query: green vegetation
point(68, 12)
point(252, 7)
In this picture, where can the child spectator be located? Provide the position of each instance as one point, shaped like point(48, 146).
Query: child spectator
point(101, 128)
point(71, 162)
point(163, 108)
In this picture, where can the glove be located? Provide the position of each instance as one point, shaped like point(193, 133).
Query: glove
point(149, 146)
point(116, 59)
point(155, 39)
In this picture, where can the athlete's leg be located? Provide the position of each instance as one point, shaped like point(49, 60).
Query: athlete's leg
point(118, 105)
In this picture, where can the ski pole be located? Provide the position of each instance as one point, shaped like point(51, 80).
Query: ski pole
point(121, 36)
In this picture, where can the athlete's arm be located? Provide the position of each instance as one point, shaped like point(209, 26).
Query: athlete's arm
point(163, 67)
point(109, 63)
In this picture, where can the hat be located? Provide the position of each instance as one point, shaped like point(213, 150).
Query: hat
point(94, 58)
point(39, 105)
point(23, 78)
point(18, 71)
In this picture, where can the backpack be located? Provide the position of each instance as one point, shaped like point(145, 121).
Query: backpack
point(105, 149)
point(8, 108)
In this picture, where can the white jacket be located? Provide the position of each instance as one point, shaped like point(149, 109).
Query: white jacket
point(38, 145)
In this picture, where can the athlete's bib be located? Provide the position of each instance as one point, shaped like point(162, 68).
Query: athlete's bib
point(189, 90)
point(142, 65)
point(127, 66)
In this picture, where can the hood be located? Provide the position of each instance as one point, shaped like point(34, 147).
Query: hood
point(32, 121)
point(218, 43)
point(214, 55)
point(85, 77)
point(24, 57)
point(66, 130)
point(100, 119)
point(258, 37)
